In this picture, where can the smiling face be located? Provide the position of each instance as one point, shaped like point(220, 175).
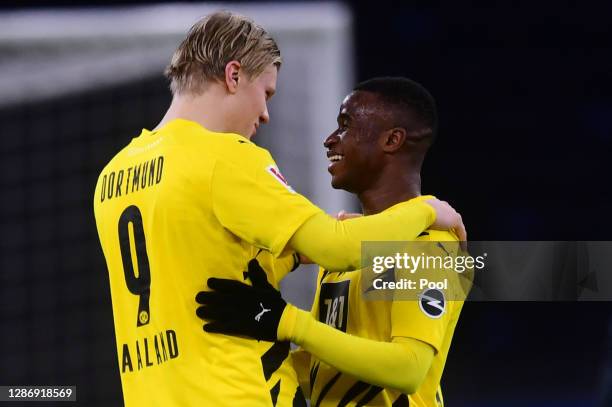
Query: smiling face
point(354, 148)
point(251, 102)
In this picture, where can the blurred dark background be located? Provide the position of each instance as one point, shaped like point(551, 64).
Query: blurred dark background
point(523, 92)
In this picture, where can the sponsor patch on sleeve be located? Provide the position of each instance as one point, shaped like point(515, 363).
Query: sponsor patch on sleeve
point(432, 303)
point(272, 170)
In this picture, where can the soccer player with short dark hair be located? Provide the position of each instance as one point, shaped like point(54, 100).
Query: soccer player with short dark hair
point(361, 352)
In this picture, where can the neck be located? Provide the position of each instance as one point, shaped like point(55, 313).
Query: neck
point(207, 109)
point(390, 191)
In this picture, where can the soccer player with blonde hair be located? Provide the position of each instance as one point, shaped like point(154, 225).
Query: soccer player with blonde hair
point(195, 198)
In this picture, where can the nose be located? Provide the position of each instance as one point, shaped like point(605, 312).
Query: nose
point(264, 117)
point(331, 140)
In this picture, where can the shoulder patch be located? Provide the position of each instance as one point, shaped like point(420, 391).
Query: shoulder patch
point(432, 303)
point(275, 172)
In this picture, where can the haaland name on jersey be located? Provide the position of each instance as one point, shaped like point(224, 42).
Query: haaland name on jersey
point(164, 346)
point(137, 177)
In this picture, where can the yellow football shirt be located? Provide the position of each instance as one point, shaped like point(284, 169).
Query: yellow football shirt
point(171, 212)
point(339, 302)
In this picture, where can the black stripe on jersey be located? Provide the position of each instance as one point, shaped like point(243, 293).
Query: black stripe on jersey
point(353, 392)
point(326, 389)
point(274, 392)
point(313, 375)
point(274, 357)
point(387, 276)
point(298, 398)
point(401, 401)
point(441, 246)
point(296, 261)
point(325, 273)
point(373, 392)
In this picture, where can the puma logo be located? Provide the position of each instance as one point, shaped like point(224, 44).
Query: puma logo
point(263, 311)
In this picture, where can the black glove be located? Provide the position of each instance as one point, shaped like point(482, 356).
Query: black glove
point(234, 308)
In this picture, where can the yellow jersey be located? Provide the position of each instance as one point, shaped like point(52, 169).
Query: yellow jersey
point(340, 303)
point(173, 208)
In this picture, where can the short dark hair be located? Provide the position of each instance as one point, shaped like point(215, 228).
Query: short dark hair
point(404, 93)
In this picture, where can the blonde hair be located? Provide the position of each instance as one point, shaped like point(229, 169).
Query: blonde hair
point(214, 41)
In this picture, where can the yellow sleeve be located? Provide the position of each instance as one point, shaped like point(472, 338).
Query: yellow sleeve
point(401, 364)
point(253, 201)
point(408, 320)
point(336, 245)
point(277, 267)
point(428, 315)
point(285, 263)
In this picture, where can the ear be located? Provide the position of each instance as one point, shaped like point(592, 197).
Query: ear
point(232, 76)
point(393, 139)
